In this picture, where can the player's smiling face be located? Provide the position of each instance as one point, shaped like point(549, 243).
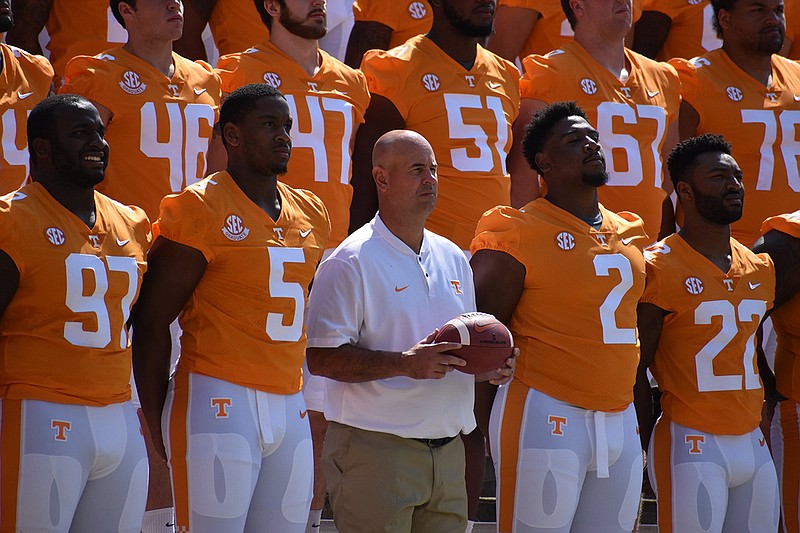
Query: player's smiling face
point(757, 25)
point(78, 148)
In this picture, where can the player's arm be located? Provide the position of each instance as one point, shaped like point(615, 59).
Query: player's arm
point(196, 14)
point(30, 17)
point(667, 208)
point(366, 35)
point(524, 180)
point(381, 117)
point(173, 272)
point(651, 31)
point(650, 322)
point(688, 121)
point(351, 364)
point(512, 26)
point(9, 280)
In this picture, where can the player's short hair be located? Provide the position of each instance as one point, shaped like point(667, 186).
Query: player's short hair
point(266, 18)
point(42, 117)
point(569, 13)
point(538, 130)
point(683, 157)
point(716, 5)
point(115, 9)
point(242, 101)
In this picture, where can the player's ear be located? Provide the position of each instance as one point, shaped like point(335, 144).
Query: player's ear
point(381, 178)
point(684, 191)
point(273, 7)
point(41, 147)
point(231, 134)
point(542, 161)
point(576, 7)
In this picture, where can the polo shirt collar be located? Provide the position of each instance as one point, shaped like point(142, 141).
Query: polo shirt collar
point(387, 235)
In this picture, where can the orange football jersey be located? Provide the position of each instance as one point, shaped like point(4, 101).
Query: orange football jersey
point(407, 18)
point(552, 30)
point(632, 118)
point(327, 108)
point(705, 363)
point(691, 33)
point(786, 320)
point(466, 115)
point(160, 127)
point(75, 28)
point(760, 123)
point(244, 321)
point(236, 26)
point(63, 336)
point(24, 82)
point(792, 14)
point(575, 322)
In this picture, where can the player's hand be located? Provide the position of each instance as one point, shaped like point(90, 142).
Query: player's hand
point(428, 361)
point(502, 374)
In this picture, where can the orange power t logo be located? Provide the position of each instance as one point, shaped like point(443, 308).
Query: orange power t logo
point(694, 442)
point(222, 405)
point(61, 427)
point(456, 285)
point(558, 422)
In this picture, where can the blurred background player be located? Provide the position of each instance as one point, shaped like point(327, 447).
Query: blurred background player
point(70, 268)
point(234, 256)
point(675, 28)
point(567, 416)
point(25, 80)
point(781, 240)
point(327, 100)
point(383, 25)
point(705, 297)
point(749, 94)
point(71, 28)
point(632, 101)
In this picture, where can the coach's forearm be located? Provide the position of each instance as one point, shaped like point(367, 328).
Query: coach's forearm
point(352, 364)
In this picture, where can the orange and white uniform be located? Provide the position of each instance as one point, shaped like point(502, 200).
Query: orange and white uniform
point(466, 115)
point(574, 377)
point(160, 127)
point(327, 109)
point(691, 32)
point(760, 124)
point(24, 82)
point(632, 117)
point(708, 459)
point(235, 395)
point(236, 26)
point(65, 361)
point(785, 430)
point(407, 18)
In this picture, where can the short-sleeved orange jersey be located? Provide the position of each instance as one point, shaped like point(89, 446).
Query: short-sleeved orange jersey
point(575, 322)
point(407, 18)
point(632, 118)
point(691, 33)
point(327, 108)
point(160, 127)
point(236, 26)
point(63, 336)
point(786, 320)
point(760, 123)
point(552, 30)
point(705, 363)
point(244, 321)
point(75, 28)
point(466, 115)
point(24, 82)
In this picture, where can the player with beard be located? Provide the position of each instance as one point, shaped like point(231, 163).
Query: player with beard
point(565, 275)
point(73, 457)
point(705, 296)
point(749, 94)
point(234, 256)
point(327, 100)
point(26, 80)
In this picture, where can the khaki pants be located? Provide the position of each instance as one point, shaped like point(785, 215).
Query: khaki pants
point(384, 483)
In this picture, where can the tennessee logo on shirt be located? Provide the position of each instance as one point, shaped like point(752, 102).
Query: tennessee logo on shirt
point(456, 286)
point(235, 229)
point(131, 83)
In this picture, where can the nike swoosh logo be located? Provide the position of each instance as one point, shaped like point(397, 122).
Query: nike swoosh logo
point(652, 94)
point(627, 241)
point(494, 85)
point(303, 413)
point(305, 233)
point(169, 524)
point(753, 286)
point(23, 96)
point(797, 98)
point(400, 289)
point(123, 243)
point(482, 327)
point(198, 92)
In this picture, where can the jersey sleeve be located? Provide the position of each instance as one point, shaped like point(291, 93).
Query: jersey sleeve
point(499, 230)
point(88, 77)
point(384, 78)
point(35, 65)
point(631, 227)
point(182, 219)
point(230, 74)
point(375, 11)
point(335, 310)
point(788, 224)
point(8, 234)
point(537, 79)
point(652, 289)
point(687, 73)
point(142, 227)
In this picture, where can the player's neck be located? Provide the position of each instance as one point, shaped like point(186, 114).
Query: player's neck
point(609, 53)
point(78, 200)
point(261, 189)
point(304, 51)
point(461, 48)
point(581, 203)
point(757, 65)
point(713, 241)
point(405, 226)
point(156, 53)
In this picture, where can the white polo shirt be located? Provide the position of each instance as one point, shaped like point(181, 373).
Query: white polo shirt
point(376, 293)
